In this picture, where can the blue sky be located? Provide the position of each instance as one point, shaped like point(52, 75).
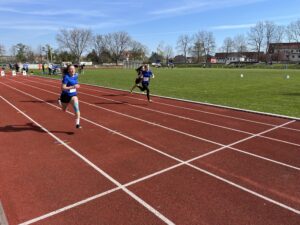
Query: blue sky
point(35, 22)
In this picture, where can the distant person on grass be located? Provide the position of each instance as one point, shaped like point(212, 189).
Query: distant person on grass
point(81, 68)
point(147, 75)
point(138, 80)
point(43, 68)
point(69, 92)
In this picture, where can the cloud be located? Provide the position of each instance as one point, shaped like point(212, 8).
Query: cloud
point(179, 9)
point(232, 27)
point(86, 13)
point(192, 6)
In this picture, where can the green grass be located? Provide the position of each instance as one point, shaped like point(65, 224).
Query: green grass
point(261, 89)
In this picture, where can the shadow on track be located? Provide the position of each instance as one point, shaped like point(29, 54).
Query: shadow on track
point(29, 127)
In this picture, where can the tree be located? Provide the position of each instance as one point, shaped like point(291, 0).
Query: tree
point(155, 57)
point(280, 33)
point(168, 50)
point(137, 51)
point(271, 33)
point(49, 52)
point(198, 49)
point(161, 49)
point(19, 51)
point(117, 44)
point(39, 51)
point(256, 37)
point(2, 50)
point(100, 43)
point(64, 56)
point(228, 46)
point(240, 44)
point(93, 56)
point(183, 45)
point(204, 41)
point(29, 54)
point(76, 41)
point(293, 31)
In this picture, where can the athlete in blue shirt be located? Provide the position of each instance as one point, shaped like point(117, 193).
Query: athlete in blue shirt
point(147, 75)
point(69, 92)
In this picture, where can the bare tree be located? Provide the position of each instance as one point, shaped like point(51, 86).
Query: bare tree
point(204, 41)
point(49, 52)
point(256, 37)
point(138, 51)
point(240, 44)
point(76, 40)
point(161, 49)
point(228, 46)
point(168, 52)
point(39, 52)
point(293, 31)
point(2, 50)
point(280, 34)
point(270, 33)
point(198, 47)
point(117, 44)
point(30, 56)
point(100, 46)
point(183, 44)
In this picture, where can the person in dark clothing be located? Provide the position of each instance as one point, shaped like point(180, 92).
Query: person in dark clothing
point(147, 75)
point(139, 77)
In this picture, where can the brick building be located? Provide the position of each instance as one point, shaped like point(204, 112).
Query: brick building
point(284, 52)
point(237, 57)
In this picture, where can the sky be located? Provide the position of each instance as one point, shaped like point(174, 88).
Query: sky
point(151, 22)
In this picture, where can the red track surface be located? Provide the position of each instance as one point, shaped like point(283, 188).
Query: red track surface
point(139, 163)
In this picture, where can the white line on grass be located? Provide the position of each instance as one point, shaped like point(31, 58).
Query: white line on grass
point(191, 160)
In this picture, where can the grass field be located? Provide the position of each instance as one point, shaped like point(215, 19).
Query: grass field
point(260, 89)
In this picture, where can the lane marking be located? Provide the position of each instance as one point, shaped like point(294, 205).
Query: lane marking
point(201, 170)
point(187, 118)
point(98, 169)
point(186, 101)
point(63, 209)
point(267, 159)
point(190, 135)
point(3, 219)
point(152, 110)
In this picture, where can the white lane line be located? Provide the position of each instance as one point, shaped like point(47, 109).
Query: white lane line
point(247, 190)
point(279, 140)
point(99, 170)
point(3, 219)
point(251, 137)
point(49, 80)
point(186, 118)
point(267, 159)
point(54, 81)
point(138, 119)
point(262, 136)
point(152, 110)
point(82, 202)
point(201, 170)
point(76, 204)
point(190, 135)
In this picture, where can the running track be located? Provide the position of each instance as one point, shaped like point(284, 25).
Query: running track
point(168, 162)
